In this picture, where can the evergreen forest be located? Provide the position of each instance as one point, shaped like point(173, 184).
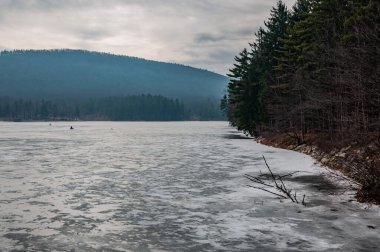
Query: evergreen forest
point(118, 108)
point(312, 68)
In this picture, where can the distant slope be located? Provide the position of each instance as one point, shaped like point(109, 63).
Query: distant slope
point(61, 74)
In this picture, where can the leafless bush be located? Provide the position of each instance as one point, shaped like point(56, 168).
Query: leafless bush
point(367, 174)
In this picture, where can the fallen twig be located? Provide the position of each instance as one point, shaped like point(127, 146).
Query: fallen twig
point(279, 185)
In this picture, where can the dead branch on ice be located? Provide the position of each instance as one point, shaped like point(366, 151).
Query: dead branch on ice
point(277, 184)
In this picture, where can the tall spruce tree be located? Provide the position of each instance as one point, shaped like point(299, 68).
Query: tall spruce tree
point(314, 69)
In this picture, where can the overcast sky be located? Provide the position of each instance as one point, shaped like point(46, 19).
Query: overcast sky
point(201, 33)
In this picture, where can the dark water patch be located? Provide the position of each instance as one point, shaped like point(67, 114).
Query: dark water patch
point(330, 218)
point(315, 183)
point(11, 217)
point(299, 245)
point(78, 224)
point(316, 202)
point(16, 177)
point(83, 207)
point(236, 136)
point(17, 230)
point(19, 237)
point(39, 218)
point(40, 203)
point(368, 244)
point(13, 191)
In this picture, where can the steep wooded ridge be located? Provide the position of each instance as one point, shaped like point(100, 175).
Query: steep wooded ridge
point(76, 76)
point(311, 77)
point(77, 73)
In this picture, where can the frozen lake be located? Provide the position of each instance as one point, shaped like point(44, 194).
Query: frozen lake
point(178, 186)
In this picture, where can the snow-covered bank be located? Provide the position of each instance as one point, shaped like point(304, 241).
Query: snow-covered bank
point(166, 186)
point(332, 219)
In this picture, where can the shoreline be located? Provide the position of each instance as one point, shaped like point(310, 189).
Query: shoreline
point(349, 160)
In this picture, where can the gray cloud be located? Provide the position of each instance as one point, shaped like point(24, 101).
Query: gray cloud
point(202, 33)
point(94, 34)
point(206, 37)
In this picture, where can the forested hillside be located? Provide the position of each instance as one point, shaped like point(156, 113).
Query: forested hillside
point(312, 72)
point(75, 76)
point(76, 73)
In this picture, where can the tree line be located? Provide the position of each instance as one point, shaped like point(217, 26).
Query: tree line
point(122, 108)
point(313, 68)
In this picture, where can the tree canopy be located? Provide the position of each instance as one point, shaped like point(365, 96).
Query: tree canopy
point(313, 68)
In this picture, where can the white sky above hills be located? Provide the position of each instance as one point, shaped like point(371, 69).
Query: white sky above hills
point(201, 33)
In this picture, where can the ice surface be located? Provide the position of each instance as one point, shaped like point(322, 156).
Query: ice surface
point(166, 187)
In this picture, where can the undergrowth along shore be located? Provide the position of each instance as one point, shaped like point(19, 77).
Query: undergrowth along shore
point(358, 159)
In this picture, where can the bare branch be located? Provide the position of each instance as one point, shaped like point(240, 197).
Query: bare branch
point(285, 193)
point(263, 189)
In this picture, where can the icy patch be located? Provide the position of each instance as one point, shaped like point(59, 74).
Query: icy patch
point(166, 187)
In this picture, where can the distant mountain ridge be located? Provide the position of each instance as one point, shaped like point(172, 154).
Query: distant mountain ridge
point(79, 74)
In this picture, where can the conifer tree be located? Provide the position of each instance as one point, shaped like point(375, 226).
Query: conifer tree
point(313, 69)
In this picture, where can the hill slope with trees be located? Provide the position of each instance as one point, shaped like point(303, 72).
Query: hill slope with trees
point(76, 76)
point(76, 73)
